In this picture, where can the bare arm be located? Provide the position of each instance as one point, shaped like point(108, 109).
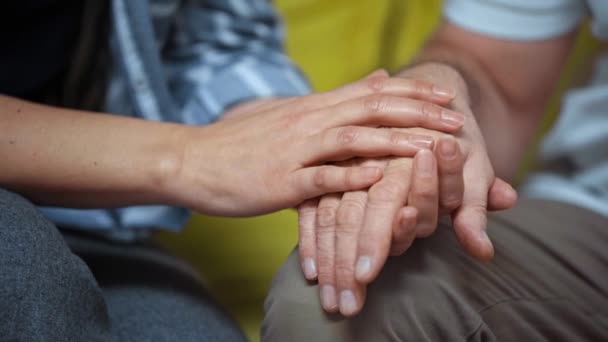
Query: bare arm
point(72, 158)
point(266, 156)
point(507, 84)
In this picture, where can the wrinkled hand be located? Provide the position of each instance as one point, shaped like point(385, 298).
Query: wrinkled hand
point(353, 234)
point(271, 156)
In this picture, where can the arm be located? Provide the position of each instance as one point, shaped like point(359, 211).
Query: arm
point(502, 87)
point(506, 84)
point(72, 158)
point(81, 159)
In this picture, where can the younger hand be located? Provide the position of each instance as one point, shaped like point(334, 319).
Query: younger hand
point(271, 156)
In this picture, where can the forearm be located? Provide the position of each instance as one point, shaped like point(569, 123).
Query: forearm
point(506, 84)
point(507, 136)
point(70, 158)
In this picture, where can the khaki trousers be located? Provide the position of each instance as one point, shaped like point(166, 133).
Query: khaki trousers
point(548, 282)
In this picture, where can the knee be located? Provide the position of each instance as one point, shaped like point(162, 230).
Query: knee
point(415, 307)
point(26, 236)
point(40, 275)
point(32, 250)
point(292, 310)
point(407, 302)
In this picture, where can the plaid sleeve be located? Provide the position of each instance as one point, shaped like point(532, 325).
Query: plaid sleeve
point(225, 52)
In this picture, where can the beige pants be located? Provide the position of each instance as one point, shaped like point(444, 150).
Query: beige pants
point(548, 282)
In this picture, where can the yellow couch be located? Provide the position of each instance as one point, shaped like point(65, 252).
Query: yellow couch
point(334, 42)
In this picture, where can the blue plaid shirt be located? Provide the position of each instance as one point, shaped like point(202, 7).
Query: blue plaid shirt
point(188, 62)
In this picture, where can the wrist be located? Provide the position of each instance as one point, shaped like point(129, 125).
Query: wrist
point(443, 74)
point(164, 162)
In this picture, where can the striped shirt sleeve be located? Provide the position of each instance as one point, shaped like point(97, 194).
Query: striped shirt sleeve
point(225, 52)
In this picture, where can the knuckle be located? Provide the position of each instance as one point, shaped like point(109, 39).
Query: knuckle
point(306, 211)
point(375, 103)
point(346, 136)
point(320, 177)
point(478, 208)
point(421, 87)
point(324, 258)
point(376, 83)
point(344, 270)
point(386, 191)
point(347, 233)
point(451, 201)
point(326, 217)
point(397, 138)
point(425, 193)
point(349, 178)
point(349, 213)
point(429, 111)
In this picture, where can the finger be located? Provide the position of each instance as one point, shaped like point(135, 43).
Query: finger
point(470, 220)
point(307, 212)
point(325, 230)
point(352, 300)
point(315, 181)
point(450, 164)
point(387, 110)
point(502, 196)
point(349, 220)
point(424, 193)
point(385, 199)
point(380, 82)
point(352, 141)
point(405, 232)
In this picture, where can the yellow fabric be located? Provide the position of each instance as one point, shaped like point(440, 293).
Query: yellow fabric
point(334, 42)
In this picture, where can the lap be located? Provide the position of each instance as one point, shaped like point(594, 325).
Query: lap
point(547, 281)
point(151, 295)
point(94, 290)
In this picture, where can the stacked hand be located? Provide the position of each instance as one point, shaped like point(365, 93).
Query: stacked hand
point(345, 238)
point(278, 153)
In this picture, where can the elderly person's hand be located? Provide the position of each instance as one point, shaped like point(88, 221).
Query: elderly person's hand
point(345, 239)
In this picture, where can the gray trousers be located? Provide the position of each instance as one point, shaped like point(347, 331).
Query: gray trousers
point(548, 282)
point(56, 287)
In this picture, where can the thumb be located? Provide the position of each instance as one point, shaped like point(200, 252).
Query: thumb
point(501, 196)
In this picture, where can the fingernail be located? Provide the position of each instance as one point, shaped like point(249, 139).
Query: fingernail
point(348, 302)
point(447, 148)
point(425, 163)
point(485, 238)
point(371, 172)
point(422, 141)
point(452, 118)
point(310, 269)
point(443, 92)
point(328, 297)
point(363, 267)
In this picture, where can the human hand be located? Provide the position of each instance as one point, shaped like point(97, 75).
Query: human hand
point(271, 156)
point(332, 232)
point(380, 225)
